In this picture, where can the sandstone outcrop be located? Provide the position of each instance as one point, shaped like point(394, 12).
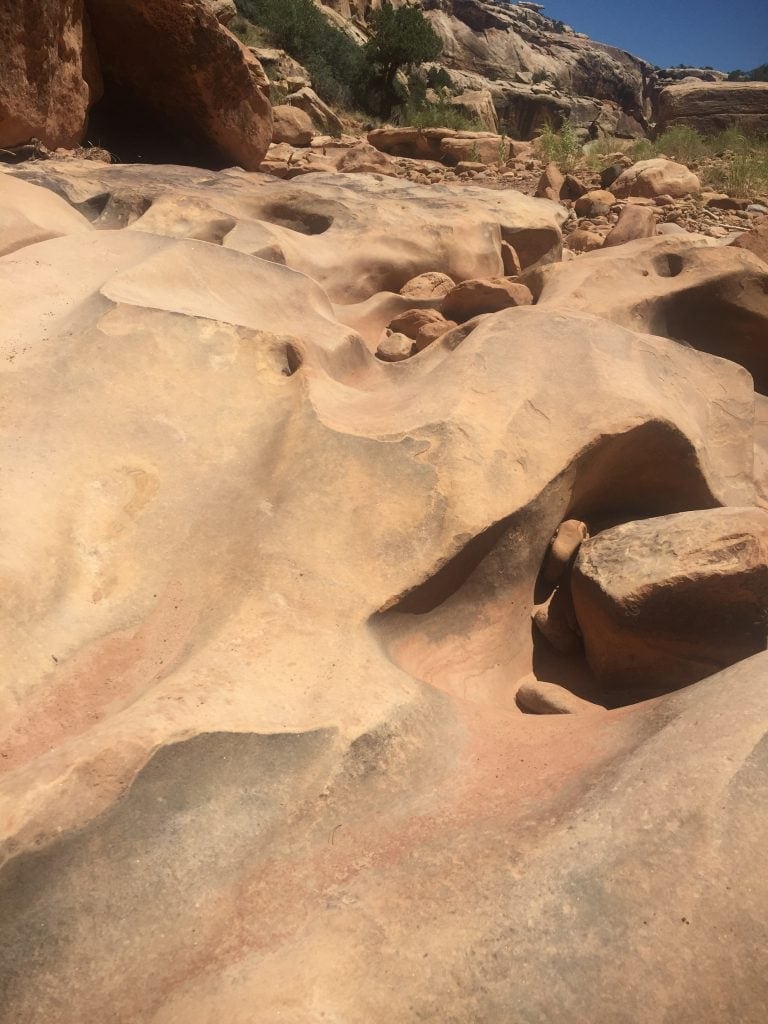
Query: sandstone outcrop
point(306, 713)
point(679, 287)
point(49, 75)
point(188, 73)
point(711, 107)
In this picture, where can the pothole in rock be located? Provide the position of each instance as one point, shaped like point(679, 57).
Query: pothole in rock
point(468, 628)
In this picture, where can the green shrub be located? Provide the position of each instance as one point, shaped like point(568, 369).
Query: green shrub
point(436, 115)
point(562, 147)
point(682, 143)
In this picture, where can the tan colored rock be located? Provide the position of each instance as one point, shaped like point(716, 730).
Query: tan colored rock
point(664, 602)
point(364, 159)
point(655, 177)
point(415, 143)
point(472, 298)
point(267, 601)
point(291, 125)
point(510, 260)
point(191, 72)
point(337, 212)
point(563, 548)
point(712, 107)
point(422, 325)
point(596, 203)
point(49, 73)
point(634, 222)
point(555, 620)
point(224, 10)
point(29, 214)
point(477, 104)
point(323, 117)
point(432, 285)
point(584, 240)
point(714, 298)
point(474, 147)
point(550, 183)
point(395, 347)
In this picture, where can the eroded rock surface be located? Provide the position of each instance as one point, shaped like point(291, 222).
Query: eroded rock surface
point(284, 730)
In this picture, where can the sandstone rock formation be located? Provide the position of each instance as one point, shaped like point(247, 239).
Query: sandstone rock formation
point(309, 707)
point(188, 72)
point(49, 75)
point(174, 77)
point(712, 107)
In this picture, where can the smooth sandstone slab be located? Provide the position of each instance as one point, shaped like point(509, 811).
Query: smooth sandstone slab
point(266, 607)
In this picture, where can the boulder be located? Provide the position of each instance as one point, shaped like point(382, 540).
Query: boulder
point(489, 295)
point(191, 73)
point(584, 240)
point(291, 125)
point(711, 107)
point(49, 73)
point(323, 117)
point(432, 285)
point(755, 240)
point(550, 183)
point(482, 147)
point(478, 106)
point(394, 348)
point(656, 177)
point(364, 159)
point(634, 222)
point(414, 143)
point(667, 601)
point(224, 10)
point(596, 203)
point(422, 325)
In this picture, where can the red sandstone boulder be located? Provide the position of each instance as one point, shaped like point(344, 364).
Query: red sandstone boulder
point(472, 298)
point(291, 125)
point(180, 63)
point(49, 75)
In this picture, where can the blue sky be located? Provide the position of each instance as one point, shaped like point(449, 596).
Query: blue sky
point(727, 34)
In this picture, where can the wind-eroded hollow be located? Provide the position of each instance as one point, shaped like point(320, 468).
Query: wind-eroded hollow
point(466, 629)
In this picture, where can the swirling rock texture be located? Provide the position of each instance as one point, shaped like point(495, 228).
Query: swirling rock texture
point(276, 611)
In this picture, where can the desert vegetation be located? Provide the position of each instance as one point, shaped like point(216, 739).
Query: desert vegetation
point(732, 161)
point(367, 78)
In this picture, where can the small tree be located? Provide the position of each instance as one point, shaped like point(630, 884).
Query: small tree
point(402, 39)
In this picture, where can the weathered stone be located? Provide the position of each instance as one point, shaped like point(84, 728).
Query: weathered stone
point(291, 125)
point(664, 602)
point(49, 73)
point(195, 77)
point(634, 222)
point(655, 177)
point(471, 298)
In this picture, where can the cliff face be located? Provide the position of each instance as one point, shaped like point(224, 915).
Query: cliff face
point(535, 67)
